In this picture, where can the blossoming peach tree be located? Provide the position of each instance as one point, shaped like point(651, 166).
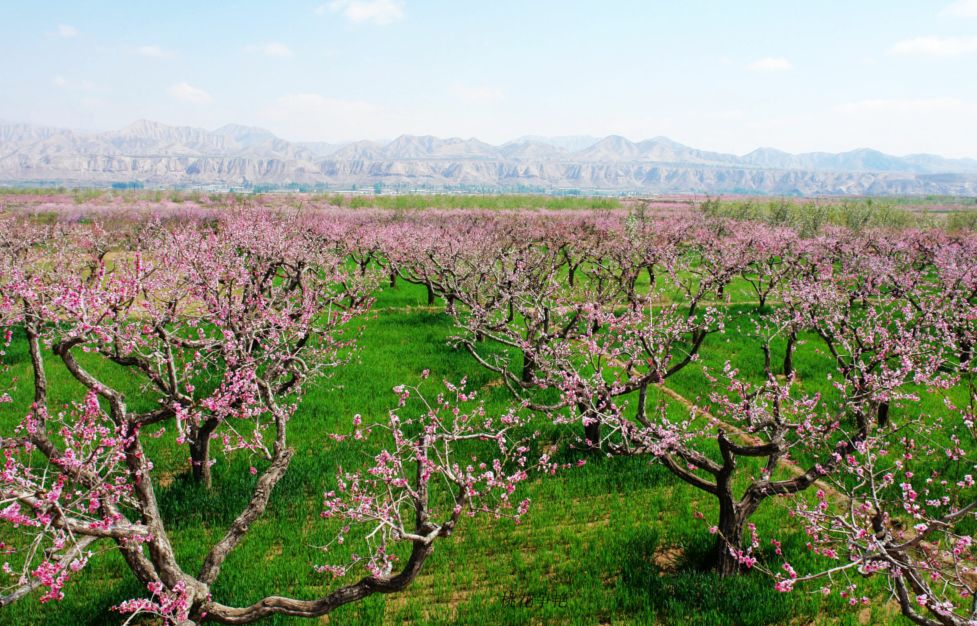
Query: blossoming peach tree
point(903, 504)
point(889, 515)
point(223, 323)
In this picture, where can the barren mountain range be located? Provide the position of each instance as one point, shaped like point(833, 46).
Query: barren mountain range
point(155, 154)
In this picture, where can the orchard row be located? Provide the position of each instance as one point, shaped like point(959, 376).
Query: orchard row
point(225, 318)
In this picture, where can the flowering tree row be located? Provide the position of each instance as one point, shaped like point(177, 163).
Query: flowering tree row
point(604, 309)
point(586, 317)
point(223, 323)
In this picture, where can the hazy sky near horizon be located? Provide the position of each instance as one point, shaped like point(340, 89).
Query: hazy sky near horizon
point(833, 75)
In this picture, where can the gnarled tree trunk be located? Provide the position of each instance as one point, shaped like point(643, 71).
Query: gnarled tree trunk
point(728, 538)
point(733, 517)
point(200, 451)
point(789, 355)
point(883, 414)
point(528, 368)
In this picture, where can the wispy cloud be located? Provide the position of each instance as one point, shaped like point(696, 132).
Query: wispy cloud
point(936, 46)
point(275, 49)
point(896, 105)
point(185, 92)
point(66, 31)
point(153, 52)
point(476, 93)
point(380, 12)
point(61, 82)
point(961, 8)
point(770, 64)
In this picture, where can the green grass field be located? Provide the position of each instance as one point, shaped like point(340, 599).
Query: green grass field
point(611, 542)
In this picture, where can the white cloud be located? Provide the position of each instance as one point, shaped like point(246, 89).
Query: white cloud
point(377, 11)
point(910, 105)
point(770, 64)
point(61, 82)
point(936, 46)
point(153, 52)
point(186, 92)
point(476, 94)
point(67, 31)
point(961, 8)
point(275, 49)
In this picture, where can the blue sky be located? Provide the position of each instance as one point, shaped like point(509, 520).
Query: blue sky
point(896, 75)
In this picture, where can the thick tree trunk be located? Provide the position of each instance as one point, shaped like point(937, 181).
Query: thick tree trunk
point(591, 425)
point(789, 355)
point(728, 538)
point(200, 452)
point(733, 517)
point(528, 368)
point(393, 278)
point(883, 414)
point(632, 292)
point(571, 276)
point(430, 294)
point(591, 432)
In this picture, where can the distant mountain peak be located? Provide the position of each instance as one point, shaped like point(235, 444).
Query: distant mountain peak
point(142, 126)
point(665, 141)
point(616, 140)
point(240, 128)
point(570, 143)
point(157, 153)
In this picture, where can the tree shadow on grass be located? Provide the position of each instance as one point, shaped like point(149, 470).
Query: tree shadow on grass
point(681, 589)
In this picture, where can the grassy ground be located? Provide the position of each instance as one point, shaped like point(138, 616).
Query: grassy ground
point(612, 542)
